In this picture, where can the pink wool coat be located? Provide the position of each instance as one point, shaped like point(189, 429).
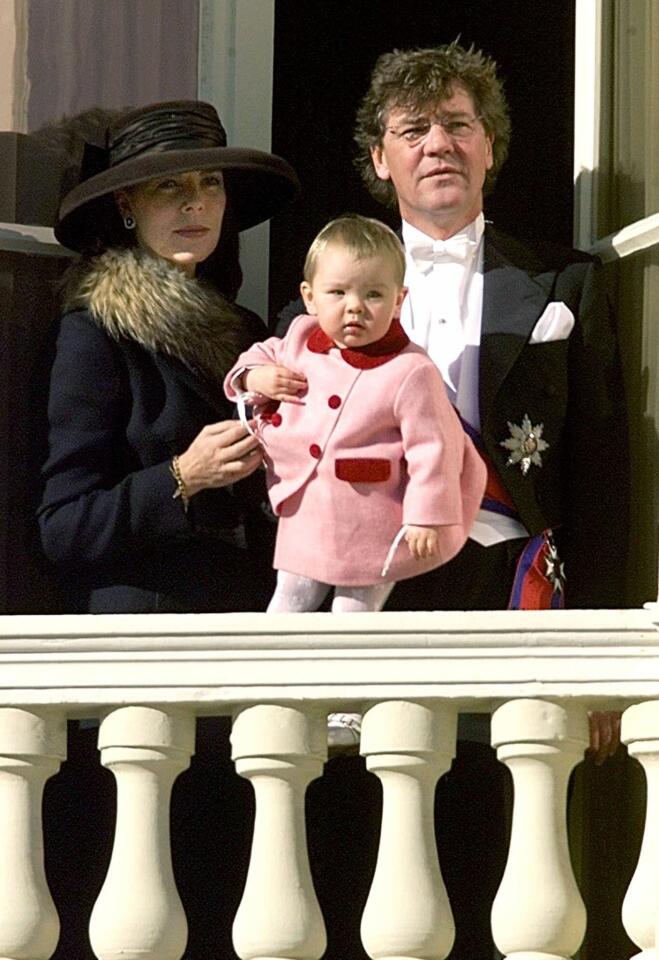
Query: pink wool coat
point(373, 444)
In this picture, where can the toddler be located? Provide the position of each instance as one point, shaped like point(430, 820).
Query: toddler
point(362, 447)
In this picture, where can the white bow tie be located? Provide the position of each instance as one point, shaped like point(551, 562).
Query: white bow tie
point(459, 248)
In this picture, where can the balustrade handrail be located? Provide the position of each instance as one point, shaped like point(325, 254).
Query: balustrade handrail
point(147, 676)
point(213, 661)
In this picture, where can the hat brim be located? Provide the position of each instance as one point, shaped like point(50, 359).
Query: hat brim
point(258, 184)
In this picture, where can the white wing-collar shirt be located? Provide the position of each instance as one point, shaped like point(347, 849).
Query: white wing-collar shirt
point(442, 313)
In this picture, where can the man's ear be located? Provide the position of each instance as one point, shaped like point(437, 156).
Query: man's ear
point(307, 296)
point(489, 156)
point(379, 162)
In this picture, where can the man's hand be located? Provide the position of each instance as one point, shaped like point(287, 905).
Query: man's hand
point(275, 382)
point(604, 734)
point(422, 541)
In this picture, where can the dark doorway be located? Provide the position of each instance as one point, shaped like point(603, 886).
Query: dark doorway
point(324, 53)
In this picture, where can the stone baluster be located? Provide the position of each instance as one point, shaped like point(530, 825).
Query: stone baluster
point(640, 911)
point(280, 749)
point(407, 915)
point(32, 746)
point(138, 914)
point(538, 913)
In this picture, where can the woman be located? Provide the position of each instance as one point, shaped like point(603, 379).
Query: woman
point(152, 498)
point(151, 501)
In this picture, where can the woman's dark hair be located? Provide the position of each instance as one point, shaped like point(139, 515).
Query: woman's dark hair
point(222, 268)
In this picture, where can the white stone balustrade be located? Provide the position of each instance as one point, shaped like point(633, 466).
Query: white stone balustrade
point(538, 913)
point(640, 911)
point(280, 749)
point(138, 914)
point(539, 672)
point(32, 746)
point(407, 914)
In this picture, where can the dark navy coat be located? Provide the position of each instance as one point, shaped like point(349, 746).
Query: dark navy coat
point(118, 413)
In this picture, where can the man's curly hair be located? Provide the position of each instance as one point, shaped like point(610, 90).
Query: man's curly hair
point(421, 78)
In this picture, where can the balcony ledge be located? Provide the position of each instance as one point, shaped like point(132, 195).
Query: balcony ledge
point(215, 661)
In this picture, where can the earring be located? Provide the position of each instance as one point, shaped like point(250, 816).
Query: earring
point(129, 221)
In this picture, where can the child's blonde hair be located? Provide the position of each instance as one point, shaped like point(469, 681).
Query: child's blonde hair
point(364, 237)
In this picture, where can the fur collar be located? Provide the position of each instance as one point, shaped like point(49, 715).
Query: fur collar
point(134, 295)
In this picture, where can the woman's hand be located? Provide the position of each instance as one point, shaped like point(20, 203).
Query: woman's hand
point(220, 454)
point(422, 541)
point(275, 382)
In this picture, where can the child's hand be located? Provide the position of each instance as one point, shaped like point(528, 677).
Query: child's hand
point(422, 541)
point(275, 382)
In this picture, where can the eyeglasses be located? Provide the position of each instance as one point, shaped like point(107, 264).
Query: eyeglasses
point(415, 131)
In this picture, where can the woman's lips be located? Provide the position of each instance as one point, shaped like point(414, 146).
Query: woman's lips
point(191, 231)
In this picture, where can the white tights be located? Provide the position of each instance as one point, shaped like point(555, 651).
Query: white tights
point(295, 594)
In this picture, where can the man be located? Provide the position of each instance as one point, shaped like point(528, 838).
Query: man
point(522, 335)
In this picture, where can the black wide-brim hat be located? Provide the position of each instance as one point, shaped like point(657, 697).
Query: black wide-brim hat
point(169, 138)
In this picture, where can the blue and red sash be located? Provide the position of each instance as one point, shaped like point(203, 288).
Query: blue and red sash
point(538, 583)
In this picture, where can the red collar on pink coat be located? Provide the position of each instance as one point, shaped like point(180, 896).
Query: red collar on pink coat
point(372, 355)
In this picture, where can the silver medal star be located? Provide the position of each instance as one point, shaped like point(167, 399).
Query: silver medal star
point(525, 444)
point(554, 568)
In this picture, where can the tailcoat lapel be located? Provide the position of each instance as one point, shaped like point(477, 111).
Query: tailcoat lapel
point(516, 290)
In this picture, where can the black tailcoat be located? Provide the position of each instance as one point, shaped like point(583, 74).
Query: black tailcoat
point(574, 388)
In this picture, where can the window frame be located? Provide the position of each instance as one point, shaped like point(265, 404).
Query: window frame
point(592, 33)
point(234, 73)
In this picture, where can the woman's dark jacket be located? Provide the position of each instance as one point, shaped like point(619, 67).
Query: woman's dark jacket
point(138, 370)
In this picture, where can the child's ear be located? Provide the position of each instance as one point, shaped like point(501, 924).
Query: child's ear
point(307, 296)
point(399, 302)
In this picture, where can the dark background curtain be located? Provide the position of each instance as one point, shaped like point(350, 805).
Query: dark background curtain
point(324, 53)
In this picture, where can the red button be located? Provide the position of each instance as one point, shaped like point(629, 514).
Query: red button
point(315, 451)
point(275, 419)
point(334, 401)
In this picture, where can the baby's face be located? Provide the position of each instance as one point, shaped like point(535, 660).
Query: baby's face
point(354, 300)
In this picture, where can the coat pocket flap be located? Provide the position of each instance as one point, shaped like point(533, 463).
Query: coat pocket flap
point(362, 469)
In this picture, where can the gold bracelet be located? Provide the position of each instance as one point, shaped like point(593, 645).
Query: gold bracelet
point(181, 489)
